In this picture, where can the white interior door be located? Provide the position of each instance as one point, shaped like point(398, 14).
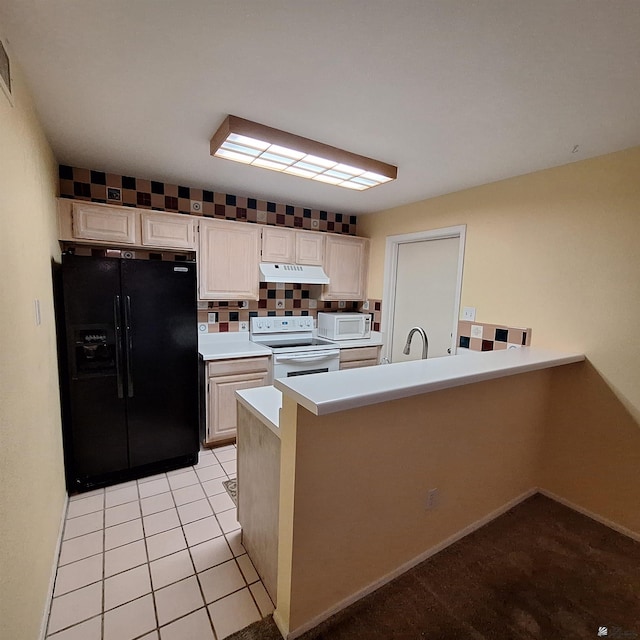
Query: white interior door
point(424, 291)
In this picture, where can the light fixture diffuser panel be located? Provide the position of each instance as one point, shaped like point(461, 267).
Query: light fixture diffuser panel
point(261, 146)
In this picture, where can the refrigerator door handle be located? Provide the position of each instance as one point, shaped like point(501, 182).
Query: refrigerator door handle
point(128, 344)
point(118, 346)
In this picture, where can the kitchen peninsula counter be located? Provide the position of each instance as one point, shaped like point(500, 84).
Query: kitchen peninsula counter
point(326, 457)
point(342, 390)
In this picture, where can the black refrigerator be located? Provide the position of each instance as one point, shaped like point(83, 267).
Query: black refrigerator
point(130, 380)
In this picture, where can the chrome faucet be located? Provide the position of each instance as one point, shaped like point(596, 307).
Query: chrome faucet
point(425, 342)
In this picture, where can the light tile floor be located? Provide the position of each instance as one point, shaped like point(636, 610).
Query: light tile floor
point(157, 559)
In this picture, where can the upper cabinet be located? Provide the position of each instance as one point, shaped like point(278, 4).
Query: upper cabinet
point(104, 223)
point(309, 247)
point(278, 245)
point(228, 260)
point(168, 230)
point(290, 246)
point(346, 264)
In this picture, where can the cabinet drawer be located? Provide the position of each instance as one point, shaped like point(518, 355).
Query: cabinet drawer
point(238, 365)
point(356, 364)
point(359, 353)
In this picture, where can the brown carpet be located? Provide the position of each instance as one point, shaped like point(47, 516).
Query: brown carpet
point(540, 571)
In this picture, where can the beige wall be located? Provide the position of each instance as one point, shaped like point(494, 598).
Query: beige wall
point(555, 250)
point(558, 251)
point(355, 483)
point(32, 489)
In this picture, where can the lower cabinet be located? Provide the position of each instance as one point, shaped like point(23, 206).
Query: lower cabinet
point(359, 357)
point(225, 377)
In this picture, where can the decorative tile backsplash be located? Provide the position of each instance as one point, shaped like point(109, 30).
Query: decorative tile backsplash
point(292, 300)
point(479, 336)
point(110, 188)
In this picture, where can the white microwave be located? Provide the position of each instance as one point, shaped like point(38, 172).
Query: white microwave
point(344, 326)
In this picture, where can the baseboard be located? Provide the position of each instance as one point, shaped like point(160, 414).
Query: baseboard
point(54, 569)
point(401, 569)
point(590, 514)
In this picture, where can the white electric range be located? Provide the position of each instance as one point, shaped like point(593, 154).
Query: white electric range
point(296, 351)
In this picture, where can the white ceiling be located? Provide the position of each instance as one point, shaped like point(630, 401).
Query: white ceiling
point(455, 93)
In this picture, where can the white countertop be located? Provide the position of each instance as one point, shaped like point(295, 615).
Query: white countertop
point(375, 340)
point(264, 403)
point(220, 346)
point(325, 393)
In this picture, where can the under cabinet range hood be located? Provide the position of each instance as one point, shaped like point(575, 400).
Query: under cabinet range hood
point(292, 273)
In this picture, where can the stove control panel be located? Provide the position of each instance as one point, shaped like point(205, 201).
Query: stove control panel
point(281, 324)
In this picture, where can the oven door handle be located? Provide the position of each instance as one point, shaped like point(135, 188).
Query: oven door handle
point(303, 359)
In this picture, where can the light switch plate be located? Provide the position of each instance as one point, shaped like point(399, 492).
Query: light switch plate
point(212, 317)
point(279, 286)
point(313, 304)
point(261, 216)
point(342, 304)
point(365, 305)
point(315, 224)
point(469, 313)
point(476, 330)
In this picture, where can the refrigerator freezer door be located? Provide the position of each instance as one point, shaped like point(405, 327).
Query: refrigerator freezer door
point(162, 359)
point(96, 436)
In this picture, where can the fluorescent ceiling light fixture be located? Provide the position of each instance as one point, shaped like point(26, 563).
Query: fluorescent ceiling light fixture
point(261, 146)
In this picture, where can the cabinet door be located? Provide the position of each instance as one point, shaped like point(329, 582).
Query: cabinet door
point(309, 247)
point(168, 231)
point(110, 224)
point(228, 260)
point(345, 261)
point(278, 245)
point(222, 410)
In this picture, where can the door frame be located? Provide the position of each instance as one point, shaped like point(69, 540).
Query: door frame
point(390, 274)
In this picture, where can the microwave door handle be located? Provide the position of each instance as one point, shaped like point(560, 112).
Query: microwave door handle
point(304, 359)
point(118, 346)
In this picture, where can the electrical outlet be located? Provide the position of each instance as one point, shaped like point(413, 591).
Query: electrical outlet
point(279, 286)
point(261, 216)
point(202, 328)
point(342, 304)
point(433, 499)
point(315, 224)
point(212, 317)
point(313, 304)
point(243, 304)
point(196, 206)
point(476, 330)
point(203, 304)
point(469, 313)
point(279, 304)
point(244, 326)
point(365, 305)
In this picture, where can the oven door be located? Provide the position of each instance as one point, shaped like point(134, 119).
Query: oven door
point(286, 365)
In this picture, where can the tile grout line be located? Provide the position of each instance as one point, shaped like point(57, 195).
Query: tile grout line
point(148, 560)
point(148, 565)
